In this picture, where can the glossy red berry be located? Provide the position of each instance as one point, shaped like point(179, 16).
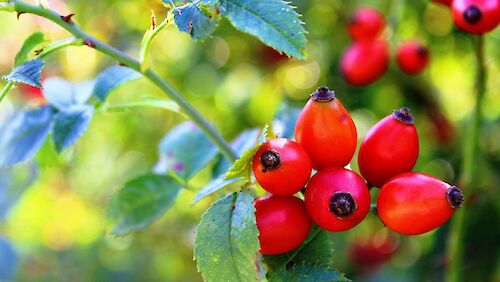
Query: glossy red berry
point(365, 23)
point(373, 251)
point(476, 16)
point(337, 199)
point(444, 2)
point(364, 62)
point(282, 166)
point(389, 148)
point(414, 203)
point(282, 222)
point(326, 131)
point(412, 57)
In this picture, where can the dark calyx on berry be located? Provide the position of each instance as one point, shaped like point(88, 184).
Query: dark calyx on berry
point(342, 204)
point(270, 160)
point(323, 94)
point(403, 115)
point(472, 15)
point(422, 51)
point(455, 197)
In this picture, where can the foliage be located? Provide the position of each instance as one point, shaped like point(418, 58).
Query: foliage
point(240, 85)
point(226, 243)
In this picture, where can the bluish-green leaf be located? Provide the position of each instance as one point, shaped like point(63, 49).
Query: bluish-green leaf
point(24, 134)
point(29, 44)
point(111, 78)
point(274, 22)
point(8, 260)
point(63, 94)
point(185, 150)
point(213, 186)
point(191, 19)
point(28, 73)
point(70, 124)
point(285, 120)
point(226, 243)
point(13, 182)
point(141, 201)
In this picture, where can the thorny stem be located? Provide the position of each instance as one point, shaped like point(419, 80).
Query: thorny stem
point(122, 58)
point(454, 272)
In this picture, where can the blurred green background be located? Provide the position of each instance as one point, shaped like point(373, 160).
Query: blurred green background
point(58, 227)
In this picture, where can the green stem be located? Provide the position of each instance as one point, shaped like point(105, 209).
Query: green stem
point(191, 112)
point(148, 39)
point(57, 45)
point(5, 90)
point(454, 272)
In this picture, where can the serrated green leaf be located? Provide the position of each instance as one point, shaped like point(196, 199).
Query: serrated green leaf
point(24, 134)
point(185, 150)
point(29, 44)
point(242, 167)
point(213, 186)
point(191, 19)
point(308, 273)
point(70, 124)
point(111, 78)
point(141, 201)
point(274, 22)
point(317, 249)
point(312, 261)
point(226, 244)
point(28, 73)
point(180, 2)
point(267, 133)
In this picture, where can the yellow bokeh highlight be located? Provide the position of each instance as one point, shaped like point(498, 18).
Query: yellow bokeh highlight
point(53, 216)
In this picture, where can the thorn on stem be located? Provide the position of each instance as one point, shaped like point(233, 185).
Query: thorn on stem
point(153, 20)
point(89, 43)
point(67, 18)
point(37, 52)
point(19, 14)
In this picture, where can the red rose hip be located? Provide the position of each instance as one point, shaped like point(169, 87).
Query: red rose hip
point(326, 131)
point(365, 23)
point(337, 199)
point(412, 57)
point(476, 16)
point(364, 62)
point(282, 166)
point(414, 203)
point(282, 222)
point(389, 148)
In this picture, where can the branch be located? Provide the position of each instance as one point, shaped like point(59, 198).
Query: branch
point(22, 7)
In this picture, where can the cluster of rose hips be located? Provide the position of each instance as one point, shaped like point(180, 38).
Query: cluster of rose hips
point(367, 59)
point(336, 198)
point(474, 16)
